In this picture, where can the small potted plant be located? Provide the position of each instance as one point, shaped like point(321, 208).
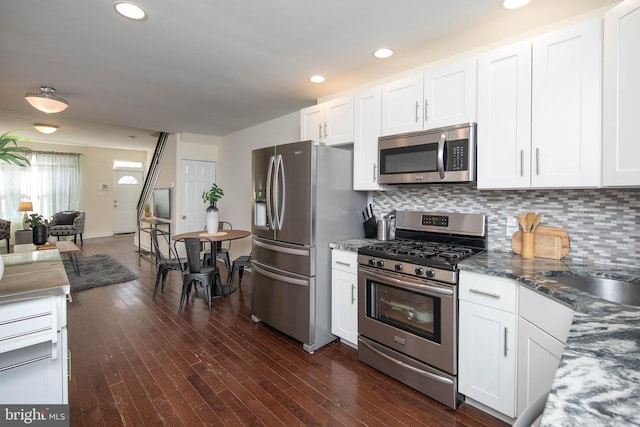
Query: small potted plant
point(38, 227)
point(212, 196)
point(147, 210)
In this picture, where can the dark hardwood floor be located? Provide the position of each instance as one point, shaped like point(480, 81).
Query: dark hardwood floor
point(136, 363)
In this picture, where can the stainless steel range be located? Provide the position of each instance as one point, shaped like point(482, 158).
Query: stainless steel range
point(408, 299)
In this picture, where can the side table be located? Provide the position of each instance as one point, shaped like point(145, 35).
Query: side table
point(23, 237)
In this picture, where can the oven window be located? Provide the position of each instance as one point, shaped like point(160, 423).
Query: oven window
point(417, 158)
point(408, 310)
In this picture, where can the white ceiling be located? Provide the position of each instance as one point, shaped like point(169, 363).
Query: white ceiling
point(214, 67)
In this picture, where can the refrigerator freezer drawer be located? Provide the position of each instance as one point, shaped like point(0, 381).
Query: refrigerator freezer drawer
point(282, 300)
point(296, 259)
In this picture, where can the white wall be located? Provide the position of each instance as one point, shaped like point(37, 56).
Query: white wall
point(234, 170)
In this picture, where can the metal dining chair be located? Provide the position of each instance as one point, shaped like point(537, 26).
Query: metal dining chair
point(222, 251)
point(239, 265)
point(196, 272)
point(164, 265)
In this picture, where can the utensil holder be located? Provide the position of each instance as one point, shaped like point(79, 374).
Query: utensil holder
point(370, 228)
point(528, 245)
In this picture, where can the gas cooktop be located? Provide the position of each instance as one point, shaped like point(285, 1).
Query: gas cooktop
point(419, 252)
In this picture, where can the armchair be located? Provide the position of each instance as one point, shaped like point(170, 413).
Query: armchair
point(67, 223)
point(5, 231)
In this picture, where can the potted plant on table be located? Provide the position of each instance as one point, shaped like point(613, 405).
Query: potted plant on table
point(212, 196)
point(37, 224)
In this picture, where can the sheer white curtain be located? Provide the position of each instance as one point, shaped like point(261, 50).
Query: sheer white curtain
point(51, 183)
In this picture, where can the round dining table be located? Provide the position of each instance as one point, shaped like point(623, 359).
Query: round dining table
point(220, 236)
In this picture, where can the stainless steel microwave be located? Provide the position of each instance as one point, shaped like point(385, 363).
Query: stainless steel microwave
point(446, 154)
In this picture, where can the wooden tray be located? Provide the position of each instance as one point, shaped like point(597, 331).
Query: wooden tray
point(551, 242)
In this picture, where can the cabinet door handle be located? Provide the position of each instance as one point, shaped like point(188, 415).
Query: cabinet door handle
point(521, 162)
point(325, 130)
point(69, 364)
point(488, 294)
point(375, 168)
point(417, 111)
point(426, 110)
point(537, 161)
point(506, 333)
point(320, 131)
point(346, 264)
point(353, 294)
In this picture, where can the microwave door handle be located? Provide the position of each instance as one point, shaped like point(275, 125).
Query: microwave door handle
point(440, 160)
point(270, 216)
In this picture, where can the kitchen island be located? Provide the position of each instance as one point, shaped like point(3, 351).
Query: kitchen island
point(598, 379)
point(33, 329)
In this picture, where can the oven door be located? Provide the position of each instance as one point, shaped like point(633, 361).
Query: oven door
point(413, 316)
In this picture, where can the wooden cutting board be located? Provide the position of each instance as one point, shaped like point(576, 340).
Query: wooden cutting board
point(551, 242)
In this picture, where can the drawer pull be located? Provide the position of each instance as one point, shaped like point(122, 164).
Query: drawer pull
point(346, 264)
point(26, 362)
point(488, 294)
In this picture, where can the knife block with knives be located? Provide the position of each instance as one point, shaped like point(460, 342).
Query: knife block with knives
point(550, 242)
point(370, 224)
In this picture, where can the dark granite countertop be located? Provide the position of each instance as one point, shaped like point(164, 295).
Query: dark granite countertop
point(598, 380)
point(352, 245)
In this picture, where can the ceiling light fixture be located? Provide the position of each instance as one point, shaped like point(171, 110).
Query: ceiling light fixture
point(46, 101)
point(130, 10)
point(45, 128)
point(514, 4)
point(383, 53)
point(317, 79)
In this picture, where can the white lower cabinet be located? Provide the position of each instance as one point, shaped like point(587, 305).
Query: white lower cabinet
point(34, 358)
point(487, 341)
point(344, 296)
point(543, 328)
point(511, 339)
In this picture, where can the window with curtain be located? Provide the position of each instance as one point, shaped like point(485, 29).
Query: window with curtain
point(51, 183)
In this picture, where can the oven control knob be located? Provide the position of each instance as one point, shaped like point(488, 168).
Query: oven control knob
point(372, 261)
point(398, 267)
point(419, 271)
point(431, 273)
point(380, 263)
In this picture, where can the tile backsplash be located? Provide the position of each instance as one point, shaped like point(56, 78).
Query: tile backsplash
point(602, 223)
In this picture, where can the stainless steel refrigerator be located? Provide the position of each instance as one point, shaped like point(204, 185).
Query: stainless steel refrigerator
point(303, 200)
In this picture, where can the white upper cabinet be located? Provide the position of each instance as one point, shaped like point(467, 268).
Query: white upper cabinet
point(539, 111)
point(402, 105)
point(450, 95)
point(621, 149)
point(367, 124)
point(330, 122)
point(566, 107)
point(440, 97)
point(504, 117)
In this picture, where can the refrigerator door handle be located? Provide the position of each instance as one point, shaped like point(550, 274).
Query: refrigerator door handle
point(279, 277)
point(284, 250)
point(279, 204)
point(272, 162)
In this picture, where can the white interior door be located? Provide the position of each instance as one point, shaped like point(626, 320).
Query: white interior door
point(197, 176)
point(128, 186)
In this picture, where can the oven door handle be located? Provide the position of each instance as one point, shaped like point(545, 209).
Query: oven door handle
point(412, 286)
point(406, 366)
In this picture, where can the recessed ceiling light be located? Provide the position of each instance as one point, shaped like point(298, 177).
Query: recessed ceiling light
point(514, 4)
point(383, 53)
point(130, 10)
point(317, 79)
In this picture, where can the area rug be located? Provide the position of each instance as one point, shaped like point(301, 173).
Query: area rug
point(96, 270)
